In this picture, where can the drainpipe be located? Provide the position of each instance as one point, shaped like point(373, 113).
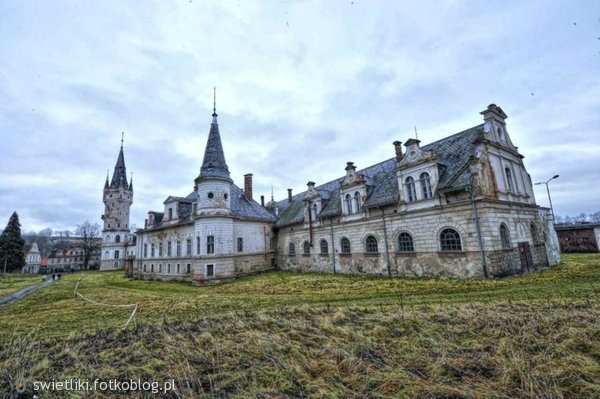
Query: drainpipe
point(478, 229)
point(387, 251)
point(332, 244)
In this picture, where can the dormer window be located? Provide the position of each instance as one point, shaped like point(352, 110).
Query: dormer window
point(170, 213)
point(315, 210)
point(356, 201)
point(425, 185)
point(348, 201)
point(411, 193)
point(500, 134)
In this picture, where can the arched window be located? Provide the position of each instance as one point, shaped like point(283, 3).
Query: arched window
point(356, 201)
point(324, 247)
point(291, 249)
point(117, 238)
point(371, 245)
point(345, 245)
point(509, 180)
point(425, 185)
point(411, 193)
point(315, 212)
point(188, 247)
point(450, 240)
point(534, 233)
point(504, 236)
point(500, 135)
point(348, 201)
point(306, 248)
point(405, 243)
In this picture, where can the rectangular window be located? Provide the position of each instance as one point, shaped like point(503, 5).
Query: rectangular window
point(210, 244)
point(116, 264)
point(117, 254)
point(160, 248)
point(240, 244)
point(188, 247)
point(197, 245)
point(210, 271)
point(169, 251)
point(160, 267)
point(144, 267)
point(178, 248)
point(170, 213)
point(178, 268)
point(188, 268)
point(152, 268)
point(168, 268)
point(152, 250)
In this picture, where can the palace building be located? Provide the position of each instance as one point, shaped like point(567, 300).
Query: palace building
point(462, 206)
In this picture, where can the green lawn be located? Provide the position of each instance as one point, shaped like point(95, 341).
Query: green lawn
point(318, 335)
point(11, 283)
point(55, 310)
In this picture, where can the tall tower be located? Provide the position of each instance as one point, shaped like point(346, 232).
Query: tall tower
point(213, 185)
point(117, 198)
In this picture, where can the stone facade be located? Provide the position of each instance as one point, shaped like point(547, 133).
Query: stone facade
point(471, 187)
point(215, 233)
point(462, 207)
point(116, 237)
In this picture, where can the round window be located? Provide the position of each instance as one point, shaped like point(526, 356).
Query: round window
point(210, 195)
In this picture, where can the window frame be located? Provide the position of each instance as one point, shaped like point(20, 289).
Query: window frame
point(323, 247)
point(426, 190)
point(504, 236)
point(345, 249)
point(305, 248)
point(291, 249)
point(411, 191)
point(210, 245)
point(405, 243)
point(371, 245)
point(450, 246)
point(240, 244)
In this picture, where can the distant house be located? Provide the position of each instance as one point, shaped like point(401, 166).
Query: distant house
point(69, 255)
point(581, 237)
point(32, 259)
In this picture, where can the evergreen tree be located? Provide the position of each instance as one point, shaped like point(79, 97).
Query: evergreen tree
point(11, 245)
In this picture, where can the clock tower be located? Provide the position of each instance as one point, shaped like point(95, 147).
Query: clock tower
point(117, 198)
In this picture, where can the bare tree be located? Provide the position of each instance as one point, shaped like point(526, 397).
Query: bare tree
point(582, 217)
point(89, 233)
point(595, 217)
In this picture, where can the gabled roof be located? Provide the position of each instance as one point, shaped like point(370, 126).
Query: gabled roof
point(452, 153)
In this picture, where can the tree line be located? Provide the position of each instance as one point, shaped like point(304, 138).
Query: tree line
point(581, 218)
point(12, 242)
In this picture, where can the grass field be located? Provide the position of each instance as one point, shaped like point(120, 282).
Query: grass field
point(11, 283)
point(315, 335)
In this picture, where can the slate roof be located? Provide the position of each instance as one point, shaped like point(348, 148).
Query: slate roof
point(213, 164)
point(452, 154)
point(119, 178)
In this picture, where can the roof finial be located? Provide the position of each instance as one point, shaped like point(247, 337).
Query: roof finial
point(214, 101)
point(416, 134)
point(271, 192)
point(122, 135)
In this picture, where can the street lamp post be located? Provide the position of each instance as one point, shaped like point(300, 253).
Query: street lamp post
point(548, 190)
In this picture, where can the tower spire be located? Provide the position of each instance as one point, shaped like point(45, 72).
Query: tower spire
point(122, 136)
point(119, 178)
point(213, 164)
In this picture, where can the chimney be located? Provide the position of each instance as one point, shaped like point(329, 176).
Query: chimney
point(248, 186)
point(289, 195)
point(398, 147)
point(262, 201)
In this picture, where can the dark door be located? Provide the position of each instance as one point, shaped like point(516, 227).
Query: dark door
point(525, 254)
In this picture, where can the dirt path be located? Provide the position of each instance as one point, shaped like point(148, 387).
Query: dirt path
point(23, 293)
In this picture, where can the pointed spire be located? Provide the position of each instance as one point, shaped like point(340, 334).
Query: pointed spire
point(106, 182)
point(214, 114)
point(119, 178)
point(213, 164)
point(131, 182)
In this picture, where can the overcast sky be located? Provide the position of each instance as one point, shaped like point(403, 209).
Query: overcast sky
point(302, 88)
